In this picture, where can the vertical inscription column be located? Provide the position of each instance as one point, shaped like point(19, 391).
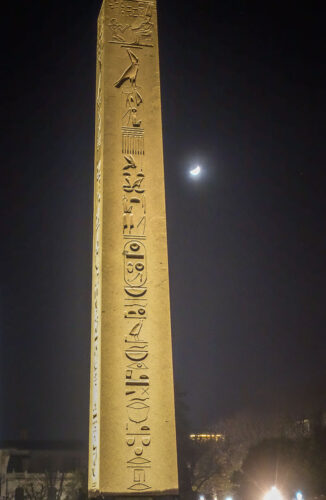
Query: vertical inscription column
point(132, 428)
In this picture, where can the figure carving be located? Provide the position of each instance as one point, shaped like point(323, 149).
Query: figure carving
point(129, 34)
point(132, 102)
point(118, 30)
point(144, 30)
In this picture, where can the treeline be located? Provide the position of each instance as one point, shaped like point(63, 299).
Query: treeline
point(256, 452)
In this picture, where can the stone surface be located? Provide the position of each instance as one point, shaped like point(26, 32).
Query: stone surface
point(132, 422)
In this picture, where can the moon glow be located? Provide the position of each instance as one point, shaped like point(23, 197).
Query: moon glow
point(195, 171)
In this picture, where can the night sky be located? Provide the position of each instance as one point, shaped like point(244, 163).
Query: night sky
point(244, 96)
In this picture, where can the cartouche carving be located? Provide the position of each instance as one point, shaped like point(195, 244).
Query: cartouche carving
point(135, 264)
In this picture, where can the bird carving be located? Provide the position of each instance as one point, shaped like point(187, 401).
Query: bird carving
point(131, 72)
point(135, 331)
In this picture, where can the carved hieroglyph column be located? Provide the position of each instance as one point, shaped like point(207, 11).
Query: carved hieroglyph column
point(132, 423)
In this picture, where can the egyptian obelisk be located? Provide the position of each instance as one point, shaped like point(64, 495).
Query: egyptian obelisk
point(132, 423)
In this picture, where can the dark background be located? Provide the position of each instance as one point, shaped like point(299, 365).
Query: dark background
point(243, 91)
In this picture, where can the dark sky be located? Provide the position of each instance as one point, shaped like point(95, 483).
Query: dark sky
point(244, 95)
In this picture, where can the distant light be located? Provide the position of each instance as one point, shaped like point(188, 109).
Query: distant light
point(195, 171)
point(206, 437)
point(228, 498)
point(299, 495)
point(273, 494)
point(215, 497)
point(201, 497)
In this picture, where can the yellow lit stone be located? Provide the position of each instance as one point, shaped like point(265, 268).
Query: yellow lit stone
point(132, 423)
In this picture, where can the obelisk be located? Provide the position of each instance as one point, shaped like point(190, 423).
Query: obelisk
point(132, 423)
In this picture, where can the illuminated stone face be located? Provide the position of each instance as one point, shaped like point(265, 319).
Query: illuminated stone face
point(132, 424)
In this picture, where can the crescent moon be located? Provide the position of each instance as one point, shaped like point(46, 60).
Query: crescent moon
point(195, 171)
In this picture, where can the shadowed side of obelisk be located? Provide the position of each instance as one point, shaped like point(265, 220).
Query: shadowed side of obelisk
point(132, 423)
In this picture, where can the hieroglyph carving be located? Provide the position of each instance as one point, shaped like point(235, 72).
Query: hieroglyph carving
point(137, 347)
point(97, 262)
point(132, 103)
point(132, 431)
point(130, 73)
point(136, 27)
point(134, 288)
